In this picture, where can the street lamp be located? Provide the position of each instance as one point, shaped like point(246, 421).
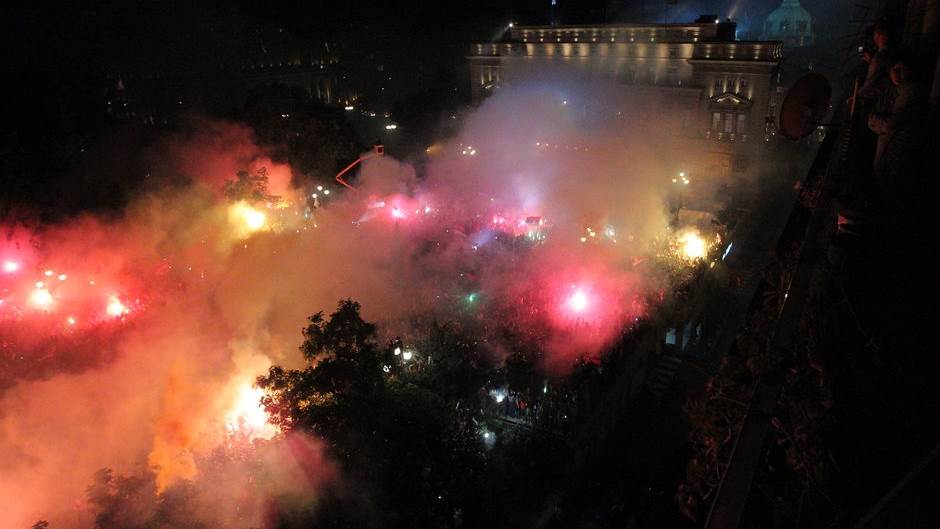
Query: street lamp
point(682, 180)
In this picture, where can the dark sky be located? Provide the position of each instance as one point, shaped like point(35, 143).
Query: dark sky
point(97, 36)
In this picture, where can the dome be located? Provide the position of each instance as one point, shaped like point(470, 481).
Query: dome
point(789, 23)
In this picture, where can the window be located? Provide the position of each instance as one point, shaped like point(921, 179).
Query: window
point(716, 120)
point(729, 123)
point(719, 85)
point(673, 52)
point(742, 86)
point(742, 123)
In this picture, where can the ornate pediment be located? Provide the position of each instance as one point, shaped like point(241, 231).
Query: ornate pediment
point(729, 99)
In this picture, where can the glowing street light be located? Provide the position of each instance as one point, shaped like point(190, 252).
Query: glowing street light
point(682, 180)
point(407, 355)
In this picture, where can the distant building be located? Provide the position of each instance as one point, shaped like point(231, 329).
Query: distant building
point(790, 24)
point(278, 58)
point(719, 92)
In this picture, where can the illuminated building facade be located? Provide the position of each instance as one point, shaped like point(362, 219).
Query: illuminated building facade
point(719, 92)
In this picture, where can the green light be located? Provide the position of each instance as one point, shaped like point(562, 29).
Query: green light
point(471, 297)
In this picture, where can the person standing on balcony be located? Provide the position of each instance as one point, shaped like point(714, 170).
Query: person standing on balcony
point(876, 80)
point(899, 128)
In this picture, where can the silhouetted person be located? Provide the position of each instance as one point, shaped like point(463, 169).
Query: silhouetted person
point(876, 79)
point(904, 114)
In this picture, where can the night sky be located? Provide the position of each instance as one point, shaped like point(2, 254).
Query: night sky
point(110, 38)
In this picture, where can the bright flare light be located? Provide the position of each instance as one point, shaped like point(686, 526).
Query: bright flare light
point(250, 218)
point(254, 219)
point(693, 246)
point(10, 266)
point(115, 308)
point(247, 414)
point(41, 299)
point(578, 301)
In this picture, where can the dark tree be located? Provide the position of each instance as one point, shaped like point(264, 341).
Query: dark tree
point(393, 431)
point(250, 187)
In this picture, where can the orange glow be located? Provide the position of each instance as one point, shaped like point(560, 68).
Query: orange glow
point(247, 415)
point(247, 218)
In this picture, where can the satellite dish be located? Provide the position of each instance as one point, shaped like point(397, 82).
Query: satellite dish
point(805, 106)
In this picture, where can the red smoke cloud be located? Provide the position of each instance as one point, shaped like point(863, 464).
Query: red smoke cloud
point(211, 303)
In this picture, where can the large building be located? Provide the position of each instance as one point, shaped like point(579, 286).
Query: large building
point(721, 91)
point(791, 24)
